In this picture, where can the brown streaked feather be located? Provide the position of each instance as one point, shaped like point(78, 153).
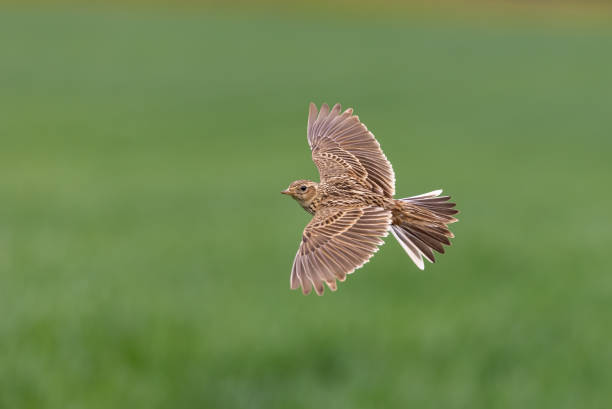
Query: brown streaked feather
point(342, 146)
point(434, 235)
point(334, 245)
point(421, 225)
point(413, 252)
point(439, 205)
point(429, 241)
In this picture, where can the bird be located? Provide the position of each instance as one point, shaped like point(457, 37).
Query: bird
point(353, 206)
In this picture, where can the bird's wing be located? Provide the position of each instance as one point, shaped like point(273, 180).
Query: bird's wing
point(335, 243)
point(342, 146)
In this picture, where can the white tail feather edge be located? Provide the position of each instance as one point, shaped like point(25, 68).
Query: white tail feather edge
point(413, 252)
point(433, 193)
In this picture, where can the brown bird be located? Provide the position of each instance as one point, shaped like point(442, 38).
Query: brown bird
point(353, 205)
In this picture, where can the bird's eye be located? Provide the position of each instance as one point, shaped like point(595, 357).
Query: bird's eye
point(303, 188)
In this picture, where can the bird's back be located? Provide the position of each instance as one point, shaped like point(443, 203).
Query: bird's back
point(347, 192)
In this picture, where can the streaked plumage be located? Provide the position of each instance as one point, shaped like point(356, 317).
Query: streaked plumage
point(353, 205)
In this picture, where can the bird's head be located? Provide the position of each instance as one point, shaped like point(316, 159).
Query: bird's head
point(304, 191)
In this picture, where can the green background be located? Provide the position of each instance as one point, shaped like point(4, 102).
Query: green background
point(145, 249)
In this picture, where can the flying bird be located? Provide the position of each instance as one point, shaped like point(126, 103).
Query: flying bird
point(353, 205)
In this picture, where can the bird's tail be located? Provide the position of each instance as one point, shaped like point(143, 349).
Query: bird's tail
point(420, 224)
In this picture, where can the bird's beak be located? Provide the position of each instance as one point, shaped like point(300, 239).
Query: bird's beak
point(285, 192)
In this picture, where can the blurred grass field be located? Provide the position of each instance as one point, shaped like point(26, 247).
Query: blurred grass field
point(145, 249)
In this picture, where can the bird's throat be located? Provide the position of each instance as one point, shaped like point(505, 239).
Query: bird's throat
point(309, 206)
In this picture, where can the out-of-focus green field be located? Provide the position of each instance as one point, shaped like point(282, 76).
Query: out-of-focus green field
point(145, 249)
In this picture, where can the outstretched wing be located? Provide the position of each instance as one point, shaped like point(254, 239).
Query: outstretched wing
point(342, 146)
point(335, 243)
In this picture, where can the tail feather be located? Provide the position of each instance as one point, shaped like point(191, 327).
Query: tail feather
point(420, 224)
point(430, 241)
point(412, 251)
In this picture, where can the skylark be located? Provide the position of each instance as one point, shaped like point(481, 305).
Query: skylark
point(353, 205)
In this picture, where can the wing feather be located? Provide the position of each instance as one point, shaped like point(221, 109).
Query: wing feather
point(335, 243)
point(343, 146)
